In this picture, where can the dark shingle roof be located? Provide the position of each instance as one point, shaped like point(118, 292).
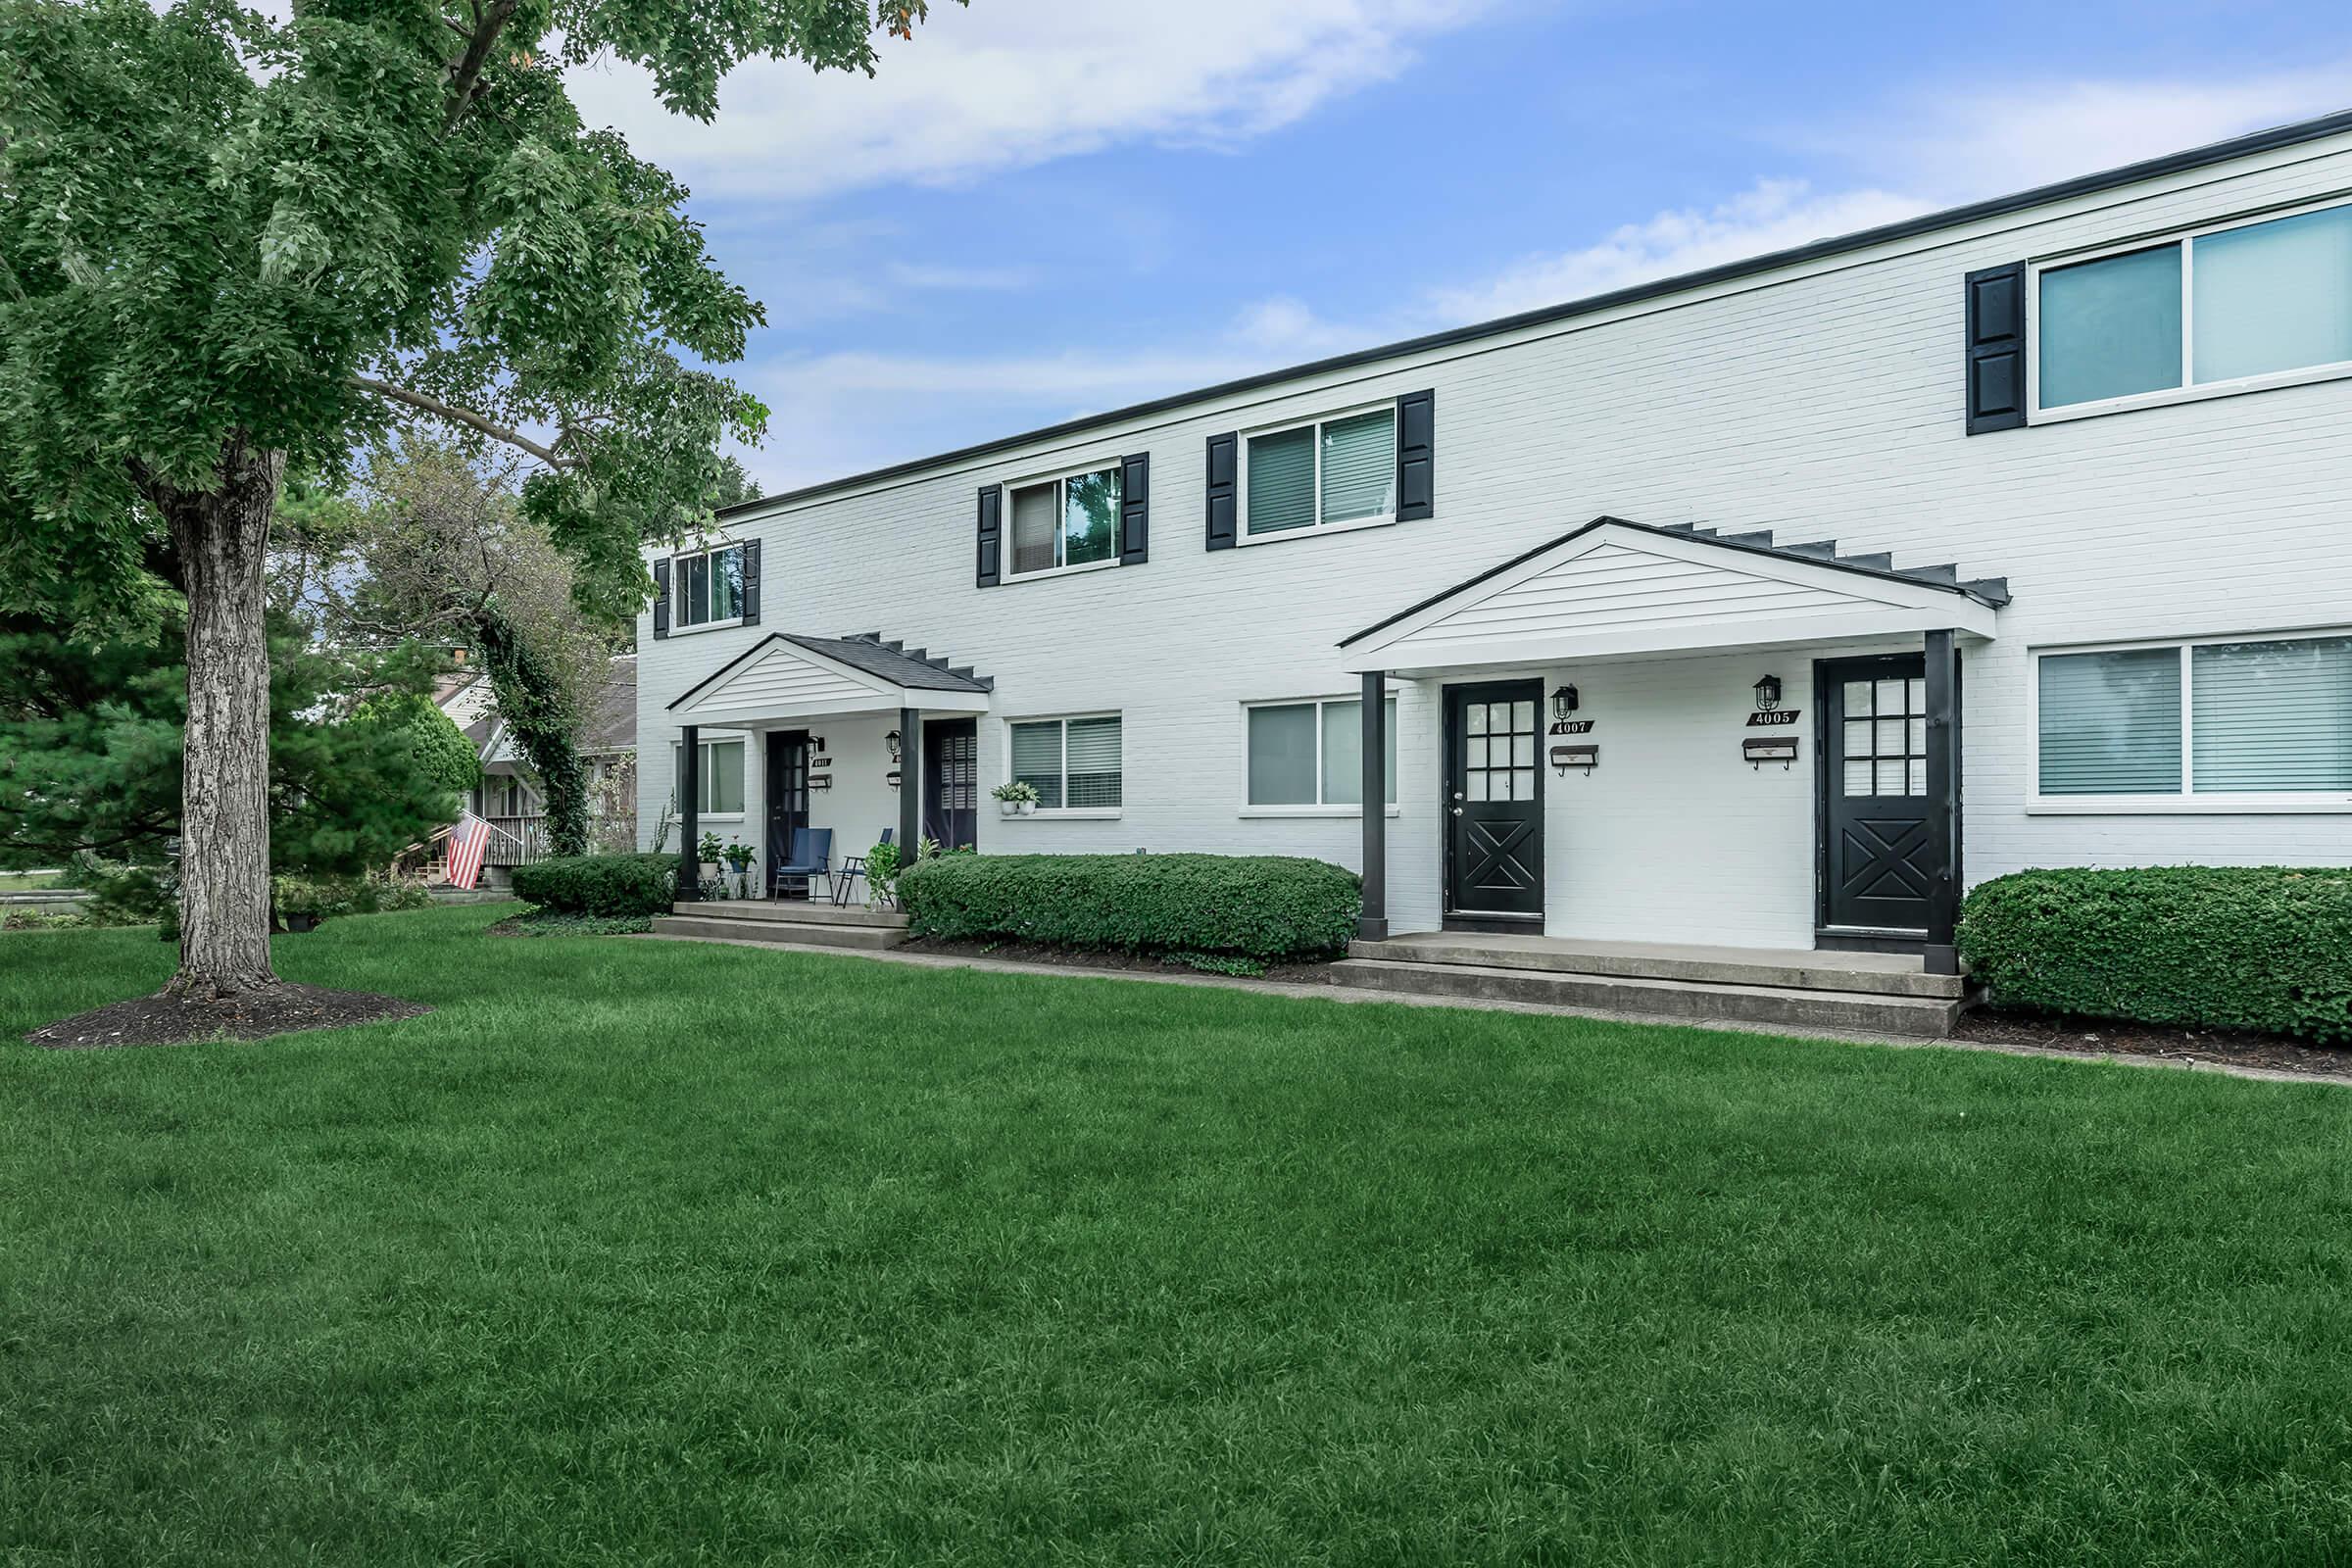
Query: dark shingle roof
point(612, 726)
point(894, 661)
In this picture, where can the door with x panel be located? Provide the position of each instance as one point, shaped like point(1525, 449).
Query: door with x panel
point(1494, 803)
point(1878, 856)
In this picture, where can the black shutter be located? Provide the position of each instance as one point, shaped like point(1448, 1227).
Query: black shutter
point(1416, 455)
point(1996, 348)
point(1135, 510)
point(751, 583)
point(992, 533)
point(1224, 493)
point(660, 598)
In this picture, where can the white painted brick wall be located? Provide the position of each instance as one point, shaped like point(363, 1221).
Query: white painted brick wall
point(1822, 402)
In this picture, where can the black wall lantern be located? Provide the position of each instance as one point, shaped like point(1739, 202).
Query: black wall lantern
point(1564, 701)
point(892, 741)
point(1768, 693)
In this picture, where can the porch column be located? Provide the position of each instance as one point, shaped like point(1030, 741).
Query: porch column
point(1943, 801)
point(690, 817)
point(1373, 924)
point(910, 783)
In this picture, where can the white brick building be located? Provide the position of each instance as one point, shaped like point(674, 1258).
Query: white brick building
point(2153, 664)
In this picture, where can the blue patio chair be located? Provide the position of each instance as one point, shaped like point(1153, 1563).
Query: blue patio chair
point(811, 858)
point(853, 867)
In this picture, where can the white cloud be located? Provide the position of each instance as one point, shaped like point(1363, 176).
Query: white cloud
point(1012, 82)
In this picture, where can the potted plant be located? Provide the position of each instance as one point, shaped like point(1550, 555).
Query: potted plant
point(1016, 799)
point(739, 860)
point(709, 851)
point(300, 904)
point(882, 874)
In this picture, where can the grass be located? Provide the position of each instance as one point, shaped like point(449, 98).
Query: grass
point(651, 1252)
point(33, 881)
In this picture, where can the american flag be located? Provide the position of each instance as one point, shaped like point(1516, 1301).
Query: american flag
point(467, 842)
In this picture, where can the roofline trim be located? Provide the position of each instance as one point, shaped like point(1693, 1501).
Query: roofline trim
point(2275, 137)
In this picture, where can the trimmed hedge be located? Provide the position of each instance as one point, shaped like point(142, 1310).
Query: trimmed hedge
point(1263, 907)
point(599, 884)
point(2264, 948)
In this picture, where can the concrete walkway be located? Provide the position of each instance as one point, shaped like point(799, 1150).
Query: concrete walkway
point(1344, 994)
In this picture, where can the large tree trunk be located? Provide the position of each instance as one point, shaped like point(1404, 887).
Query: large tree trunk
point(221, 536)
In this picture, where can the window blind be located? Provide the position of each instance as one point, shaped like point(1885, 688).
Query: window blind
point(1282, 481)
point(1094, 762)
point(2111, 722)
point(2111, 328)
point(1360, 466)
point(1282, 756)
point(2271, 717)
point(1034, 528)
point(1037, 761)
point(2275, 296)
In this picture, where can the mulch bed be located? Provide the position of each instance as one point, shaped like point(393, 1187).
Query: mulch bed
point(166, 1020)
point(1313, 973)
point(2106, 1037)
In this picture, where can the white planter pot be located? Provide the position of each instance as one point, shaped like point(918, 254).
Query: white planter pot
point(1017, 808)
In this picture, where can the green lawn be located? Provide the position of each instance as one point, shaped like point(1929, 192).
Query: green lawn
point(655, 1253)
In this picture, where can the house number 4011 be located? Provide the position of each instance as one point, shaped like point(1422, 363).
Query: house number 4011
point(1773, 719)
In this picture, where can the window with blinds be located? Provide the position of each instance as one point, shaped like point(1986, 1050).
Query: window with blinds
point(1322, 474)
point(1069, 522)
point(719, 776)
point(2205, 720)
point(1311, 754)
point(1073, 764)
point(2219, 307)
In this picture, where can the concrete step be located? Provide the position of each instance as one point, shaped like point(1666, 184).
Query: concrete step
point(795, 933)
point(1683, 1000)
point(791, 913)
point(1865, 973)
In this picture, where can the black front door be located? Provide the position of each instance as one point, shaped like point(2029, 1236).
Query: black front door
point(1877, 858)
point(787, 794)
point(951, 782)
point(1494, 803)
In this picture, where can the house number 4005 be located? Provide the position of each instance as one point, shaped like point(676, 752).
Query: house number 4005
point(1773, 719)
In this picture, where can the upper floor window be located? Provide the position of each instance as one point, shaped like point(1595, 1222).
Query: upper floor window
point(2217, 310)
point(1324, 474)
point(1069, 520)
point(2214, 723)
point(1075, 764)
point(707, 589)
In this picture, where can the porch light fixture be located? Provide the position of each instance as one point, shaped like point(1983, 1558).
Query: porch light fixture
point(892, 739)
point(1768, 693)
point(1564, 701)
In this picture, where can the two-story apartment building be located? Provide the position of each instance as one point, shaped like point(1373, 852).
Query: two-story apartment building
point(1765, 607)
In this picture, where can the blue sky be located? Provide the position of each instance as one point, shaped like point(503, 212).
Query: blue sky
point(1043, 208)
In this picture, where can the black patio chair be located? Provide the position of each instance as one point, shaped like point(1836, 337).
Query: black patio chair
point(853, 867)
point(811, 858)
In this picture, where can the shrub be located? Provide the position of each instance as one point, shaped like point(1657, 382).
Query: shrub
point(2216, 947)
point(599, 884)
point(1262, 907)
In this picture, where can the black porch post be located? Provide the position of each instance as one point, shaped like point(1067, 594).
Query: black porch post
point(1373, 924)
point(690, 817)
point(1943, 801)
point(910, 783)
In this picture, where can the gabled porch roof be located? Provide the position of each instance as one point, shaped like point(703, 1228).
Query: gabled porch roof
point(787, 676)
point(1613, 588)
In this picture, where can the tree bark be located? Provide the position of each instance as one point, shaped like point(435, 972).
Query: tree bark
point(223, 536)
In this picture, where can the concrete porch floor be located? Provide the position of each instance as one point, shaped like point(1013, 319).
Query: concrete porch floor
point(1885, 973)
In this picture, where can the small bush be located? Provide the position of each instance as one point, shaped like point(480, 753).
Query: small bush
point(2261, 947)
point(1260, 906)
point(599, 884)
point(550, 923)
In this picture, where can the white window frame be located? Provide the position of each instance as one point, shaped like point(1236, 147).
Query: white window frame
point(1070, 814)
point(2184, 802)
point(1060, 479)
point(677, 776)
point(678, 599)
point(1318, 529)
point(2189, 391)
point(1321, 808)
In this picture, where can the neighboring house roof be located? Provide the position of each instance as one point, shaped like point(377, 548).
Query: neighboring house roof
point(612, 726)
point(2288, 135)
